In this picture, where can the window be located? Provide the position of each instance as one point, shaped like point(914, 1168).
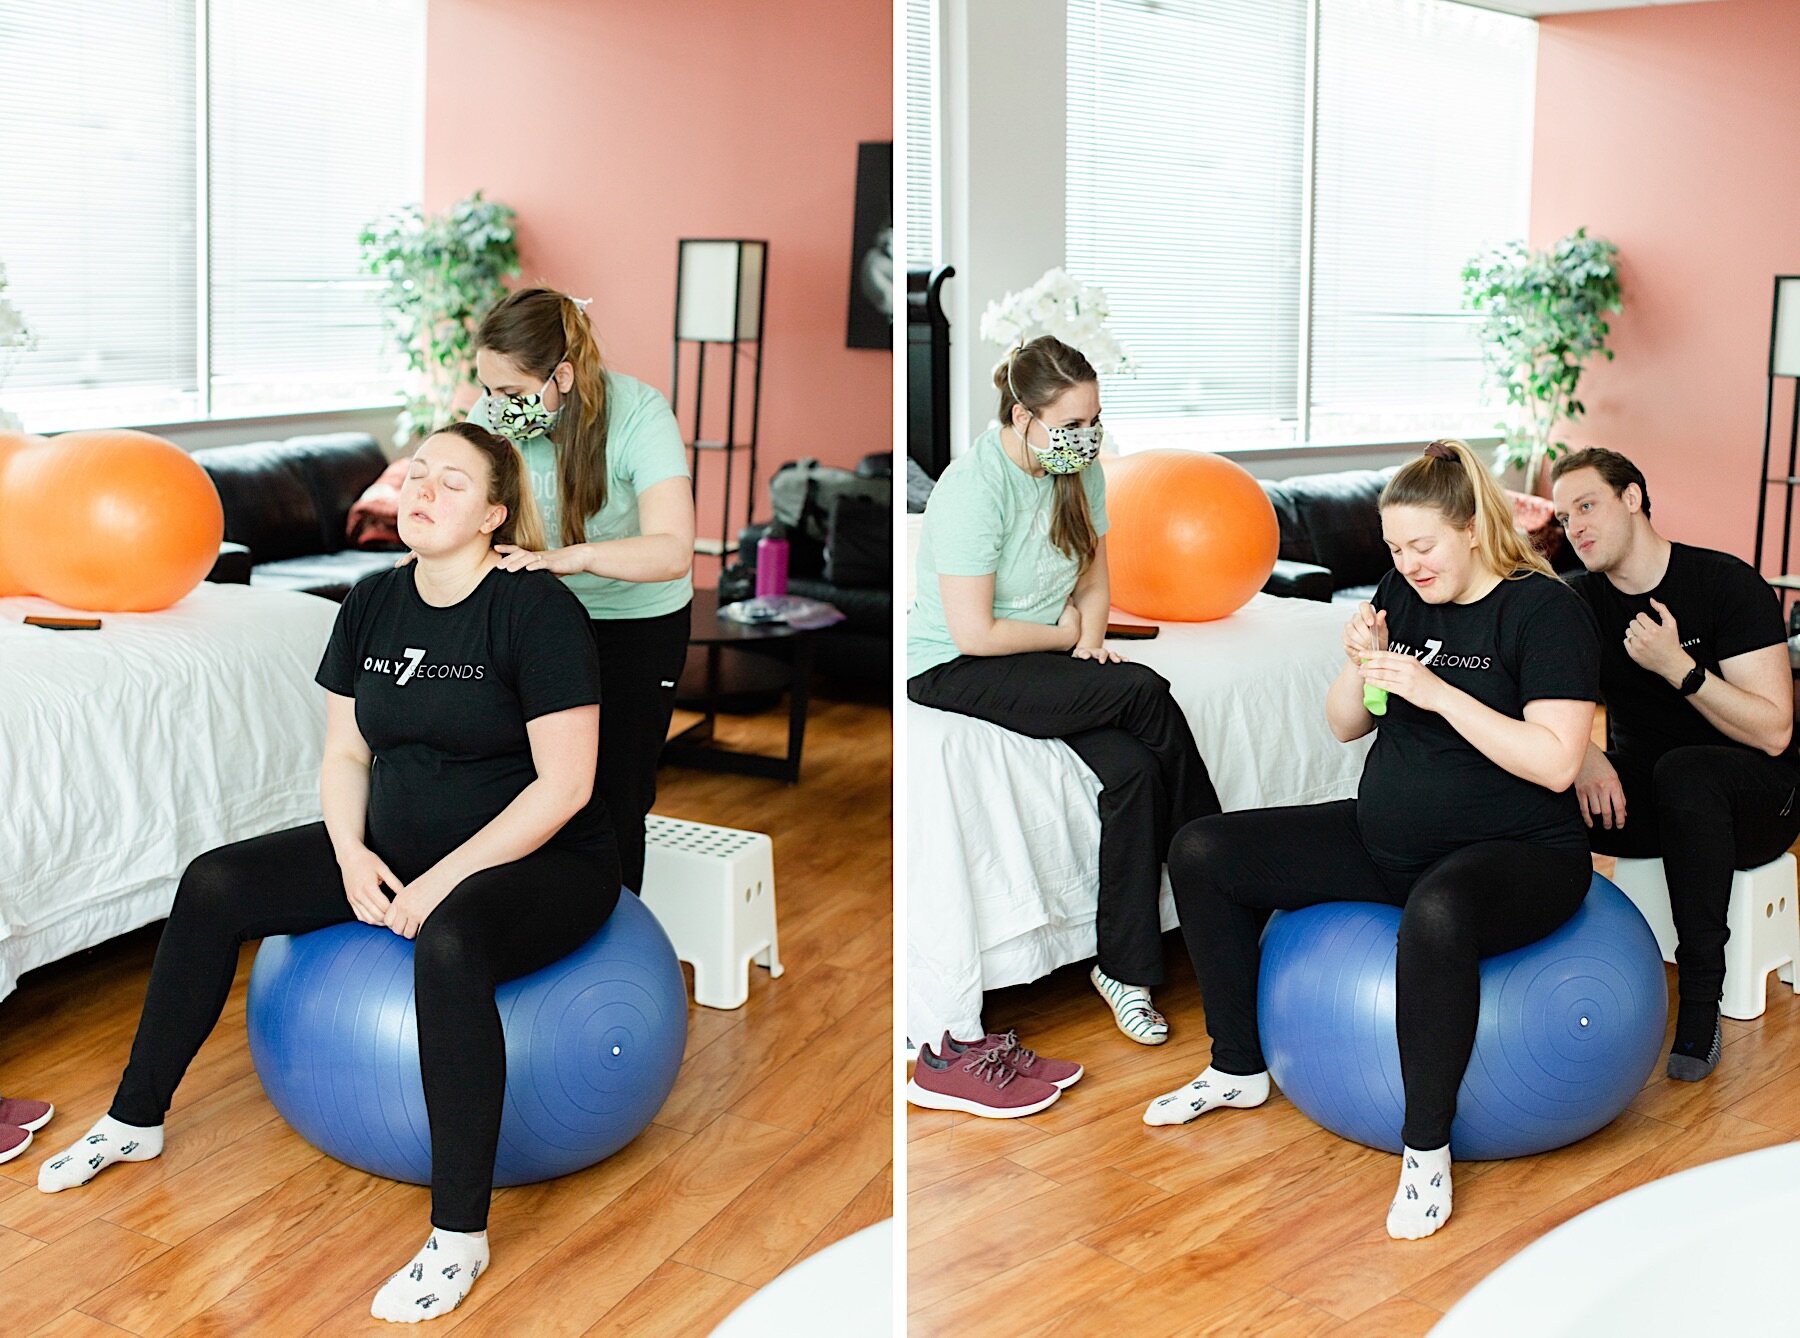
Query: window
point(921, 133)
point(185, 185)
point(1278, 200)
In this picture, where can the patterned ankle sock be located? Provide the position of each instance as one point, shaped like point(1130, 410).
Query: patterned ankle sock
point(436, 1280)
point(107, 1142)
point(1422, 1204)
point(1211, 1089)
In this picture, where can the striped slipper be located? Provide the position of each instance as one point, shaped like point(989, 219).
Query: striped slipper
point(1131, 1009)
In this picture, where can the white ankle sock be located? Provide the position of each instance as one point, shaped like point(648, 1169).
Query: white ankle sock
point(1210, 1089)
point(107, 1142)
point(436, 1280)
point(1422, 1204)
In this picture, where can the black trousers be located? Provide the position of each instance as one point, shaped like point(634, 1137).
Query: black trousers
point(640, 664)
point(1122, 722)
point(499, 924)
point(1229, 871)
point(1705, 811)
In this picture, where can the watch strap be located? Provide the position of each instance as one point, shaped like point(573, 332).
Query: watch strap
point(1696, 677)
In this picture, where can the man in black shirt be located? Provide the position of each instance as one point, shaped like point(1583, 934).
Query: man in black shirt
point(1700, 767)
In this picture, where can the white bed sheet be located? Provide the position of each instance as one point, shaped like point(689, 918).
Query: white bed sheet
point(1003, 832)
point(126, 752)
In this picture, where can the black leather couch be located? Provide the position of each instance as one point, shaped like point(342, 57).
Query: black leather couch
point(286, 505)
point(854, 573)
point(1331, 544)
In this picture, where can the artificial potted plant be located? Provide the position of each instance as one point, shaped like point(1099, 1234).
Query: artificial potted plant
point(443, 274)
point(1545, 316)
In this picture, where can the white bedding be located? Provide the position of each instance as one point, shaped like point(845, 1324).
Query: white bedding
point(126, 752)
point(1003, 833)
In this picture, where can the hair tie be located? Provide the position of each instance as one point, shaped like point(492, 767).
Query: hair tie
point(1439, 450)
point(581, 303)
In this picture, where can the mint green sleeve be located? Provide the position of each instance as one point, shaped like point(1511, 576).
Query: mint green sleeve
point(1094, 478)
point(646, 441)
point(966, 523)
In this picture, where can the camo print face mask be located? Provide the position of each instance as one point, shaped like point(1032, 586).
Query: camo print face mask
point(515, 417)
point(1071, 449)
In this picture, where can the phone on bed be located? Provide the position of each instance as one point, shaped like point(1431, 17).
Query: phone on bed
point(1132, 631)
point(63, 624)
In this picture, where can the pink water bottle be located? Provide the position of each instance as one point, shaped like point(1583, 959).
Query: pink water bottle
point(771, 565)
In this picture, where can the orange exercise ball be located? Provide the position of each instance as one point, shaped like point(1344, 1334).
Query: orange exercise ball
point(116, 522)
point(11, 443)
point(1192, 535)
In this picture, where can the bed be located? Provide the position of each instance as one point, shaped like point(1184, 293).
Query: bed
point(126, 752)
point(1003, 833)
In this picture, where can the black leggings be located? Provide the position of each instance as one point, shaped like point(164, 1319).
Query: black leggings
point(640, 664)
point(1122, 722)
point(1230, 870)
point(498, 924)
point(1705, 811)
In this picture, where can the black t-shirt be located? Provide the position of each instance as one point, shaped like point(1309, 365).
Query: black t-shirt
point(443, 696)
point(1722, 608)
point(1426, 791)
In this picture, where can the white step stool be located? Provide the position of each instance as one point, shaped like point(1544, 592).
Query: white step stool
point(713, 890)
point(1764, 919)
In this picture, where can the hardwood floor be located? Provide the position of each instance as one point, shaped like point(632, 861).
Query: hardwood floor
point(776, 1141)
point(1085, 1220)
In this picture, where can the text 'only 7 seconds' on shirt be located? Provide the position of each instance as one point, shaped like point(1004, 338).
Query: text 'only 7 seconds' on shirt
point(443, 696)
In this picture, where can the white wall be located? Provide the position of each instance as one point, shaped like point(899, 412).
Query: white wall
point(1003, 141)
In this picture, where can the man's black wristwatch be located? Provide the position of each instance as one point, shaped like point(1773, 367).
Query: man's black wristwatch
point(1691, 684)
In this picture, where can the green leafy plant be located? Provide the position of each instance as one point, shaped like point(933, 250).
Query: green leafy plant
point(442, 274)
point(1545, 317)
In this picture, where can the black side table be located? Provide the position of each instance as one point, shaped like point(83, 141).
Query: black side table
point(694, 747)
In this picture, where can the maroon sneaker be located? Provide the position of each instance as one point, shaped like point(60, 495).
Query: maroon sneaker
point(1027, 1063)
point(977, 1082)
point(27, 1115)
point(13, 1141)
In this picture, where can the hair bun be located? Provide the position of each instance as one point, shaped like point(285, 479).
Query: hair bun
point(1441, 450)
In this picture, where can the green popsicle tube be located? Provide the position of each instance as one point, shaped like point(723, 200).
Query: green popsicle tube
point(1374, 698)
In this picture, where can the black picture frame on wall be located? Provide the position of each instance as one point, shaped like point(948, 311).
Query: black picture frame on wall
point(872, 249)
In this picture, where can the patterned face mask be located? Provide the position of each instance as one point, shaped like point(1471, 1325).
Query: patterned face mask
point(1071, 449)
point(515, 417)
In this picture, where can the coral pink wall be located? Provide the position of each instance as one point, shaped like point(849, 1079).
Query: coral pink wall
point(617, 128)
point(1672, 131)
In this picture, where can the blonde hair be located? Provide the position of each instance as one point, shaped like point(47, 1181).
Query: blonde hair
point(1451, 480)
point(1033, 375)
point(539, 328)
point(509, 485)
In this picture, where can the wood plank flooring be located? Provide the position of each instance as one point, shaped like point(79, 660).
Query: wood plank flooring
point(1084, 1220)
point(776, 1141)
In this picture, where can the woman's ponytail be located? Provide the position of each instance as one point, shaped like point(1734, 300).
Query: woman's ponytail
point(1450, 479)
point(538, 328)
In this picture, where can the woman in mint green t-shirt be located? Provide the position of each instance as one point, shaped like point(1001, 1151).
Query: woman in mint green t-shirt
point(1009, 626)
point(610, 472)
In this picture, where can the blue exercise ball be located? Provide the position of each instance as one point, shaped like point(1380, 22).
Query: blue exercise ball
point(593, 1042)
point(1570, 1027)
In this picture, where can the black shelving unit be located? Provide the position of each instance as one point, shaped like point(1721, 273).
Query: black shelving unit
point(735, 351)
point(1784, 365)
